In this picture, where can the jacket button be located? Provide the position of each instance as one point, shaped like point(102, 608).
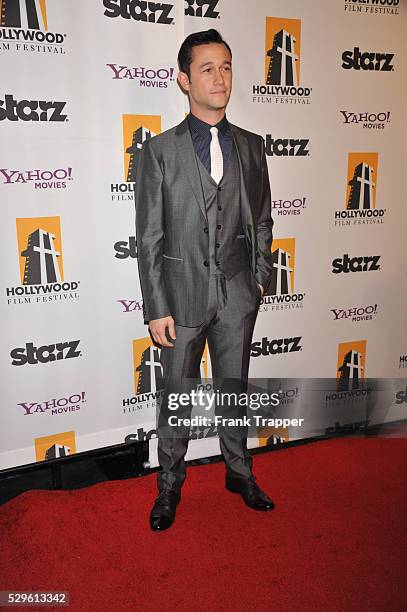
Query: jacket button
point(219, 188)
point(217, 245)
point(219, 207)
point(219, 227)
point(217, 263)
point(206, 263)
point(206, 230)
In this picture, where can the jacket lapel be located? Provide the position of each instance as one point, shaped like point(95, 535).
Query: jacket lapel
point(187, 159)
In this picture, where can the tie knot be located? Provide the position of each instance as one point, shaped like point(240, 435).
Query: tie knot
point(214, 132)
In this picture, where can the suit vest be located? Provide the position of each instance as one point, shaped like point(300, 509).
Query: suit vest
point(227, 247)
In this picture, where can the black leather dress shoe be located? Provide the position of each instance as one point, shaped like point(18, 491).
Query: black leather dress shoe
point(163, 513)
point(251, 493)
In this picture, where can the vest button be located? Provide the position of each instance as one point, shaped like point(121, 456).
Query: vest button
point(219, 207)
point(219, 227)
point(206, 230)
point(217, 245)
point(217, 263)
point(206, 263)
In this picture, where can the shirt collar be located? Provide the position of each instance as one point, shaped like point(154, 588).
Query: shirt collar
point(201, 127)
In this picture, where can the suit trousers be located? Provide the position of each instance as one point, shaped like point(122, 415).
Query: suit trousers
point(228, 328)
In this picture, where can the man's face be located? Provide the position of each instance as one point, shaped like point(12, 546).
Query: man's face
point(210, 83)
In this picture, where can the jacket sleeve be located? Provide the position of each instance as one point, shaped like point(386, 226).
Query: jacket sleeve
point(264, 265)
point(150, 234)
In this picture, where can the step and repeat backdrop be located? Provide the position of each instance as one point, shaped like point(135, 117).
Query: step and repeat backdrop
point(83, 84)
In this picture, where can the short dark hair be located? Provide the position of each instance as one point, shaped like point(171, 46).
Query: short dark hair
point(193, 40)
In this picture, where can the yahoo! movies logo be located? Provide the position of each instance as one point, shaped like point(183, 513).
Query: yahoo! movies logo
point(136, 129)
point(282, 64)
point(367, 60)
point(372, 7)
point(369, 121)
point(39, 179)
point(356, 314)
point(283, 295)
point(361, 185)
point(148, 375)
point(24, 27)
point(41, 266)
point(55, 406)
point(202, 8)
point(285, 208)
point(145, 77)
point(33, 355)
point(140, 10)
point(31, 110)
point(351, 366)
point(55, 446)
point(132, 305)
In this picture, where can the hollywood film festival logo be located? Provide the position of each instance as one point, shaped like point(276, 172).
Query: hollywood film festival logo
point(24, 28)
point(282, 65)
point(352, 390)
point(136, 130)
point(360, 204)
point(283, 295)
point(149, 388)
point(39, 244)
point(350, 373)
point(369, 7)
point(148, 376)
point(55, 446)
point(58, 178)
point(351, 364)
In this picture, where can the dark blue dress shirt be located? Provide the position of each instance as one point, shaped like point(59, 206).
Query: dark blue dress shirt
point(201, 139)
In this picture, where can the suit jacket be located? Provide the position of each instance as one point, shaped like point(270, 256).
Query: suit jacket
point(172, 242)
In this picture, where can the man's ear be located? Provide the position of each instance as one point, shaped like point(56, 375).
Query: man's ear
point(183, 80)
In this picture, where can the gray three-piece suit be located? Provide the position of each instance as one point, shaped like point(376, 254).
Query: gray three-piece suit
point(202, 249)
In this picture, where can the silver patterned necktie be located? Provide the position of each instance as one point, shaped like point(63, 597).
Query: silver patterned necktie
point(216, 156)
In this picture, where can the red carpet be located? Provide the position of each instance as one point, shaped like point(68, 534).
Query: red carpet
point(336, 541)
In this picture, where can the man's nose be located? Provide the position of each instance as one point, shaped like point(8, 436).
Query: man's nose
point(219, 76)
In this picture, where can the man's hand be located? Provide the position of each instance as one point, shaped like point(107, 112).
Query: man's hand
point(158, 328)
point(261, 289)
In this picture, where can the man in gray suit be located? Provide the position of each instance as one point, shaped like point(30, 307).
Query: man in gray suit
point(204, 232)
